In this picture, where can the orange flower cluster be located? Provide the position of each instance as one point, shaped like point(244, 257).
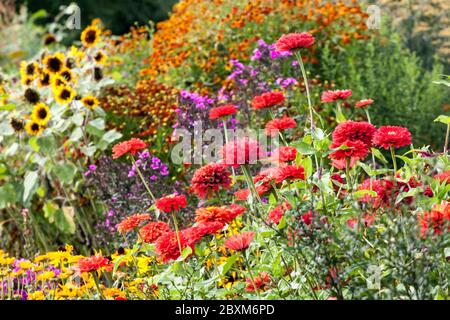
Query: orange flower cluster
point(180, 45)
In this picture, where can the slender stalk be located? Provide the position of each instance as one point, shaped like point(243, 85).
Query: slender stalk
point(394, 161)
point(94, 274)
point(446, 138)
point(347, 174)
point(250, 183)
point(247, 264)
point(225, 130)
point(305, 81)
point(142, 179)
point(373, 156)
point(175, 222)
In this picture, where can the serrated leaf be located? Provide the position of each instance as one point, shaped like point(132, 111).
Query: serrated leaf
point(228, 264)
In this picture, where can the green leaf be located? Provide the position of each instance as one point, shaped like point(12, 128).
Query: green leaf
point(379, 155)
point(33, 142)
point(318, 134)
point(340, 117)
point(96, 127)
point(47, 145)
point(228, 264)
point(65, 172)
point(303, 148)
point(111, 136)
point(89, 151)
point(282, 223)
point(76, 134)
point(78, 119)
point(50, 209)
point(361, 193)
point(30, 184)
point(64, 220)
point(186, 252)
point(7, 195)
point(8, 107)
point(443, 119)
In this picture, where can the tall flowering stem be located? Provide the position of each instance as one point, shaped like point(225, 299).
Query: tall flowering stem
point(369, 121)
point(394, 161)
point(225, 130)
point(175, 223)
point(247, 264)
point(305, 81)
point(446, 138)
point(142, 178)
point(250, 183)
point(347, 174)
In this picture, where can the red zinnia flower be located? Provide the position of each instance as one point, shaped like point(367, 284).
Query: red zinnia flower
point(239, 242)
point(333, 95)
point(132, 146)
point(268, 99)
point(276, 214)
point(167, 244)
point(284, 154)
point(131, 222)
point(220, 214)
point(354, 130)
point(436, 219)
point(153, 230)
point(349, 149)
point(210, 178)
point(92, 263)
point(383, 189)
point(222, 111)
point(293, 41)
point(291, 172)
point(443, 177)
point(210, 227)
point(392, 136)
point(363, 103)
point(275, 125)
point(241, 151)
point(171, 203)
point(260, 282)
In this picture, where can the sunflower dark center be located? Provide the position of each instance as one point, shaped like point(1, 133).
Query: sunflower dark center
point(91, 35)
point(31, 96)
point(45, 79)
point(54, 64)
point(66, 75)
point(65, 94)
point(42, 113)
point(30, 69)
point(98, 57)
point(35, 127)
point(90, 102)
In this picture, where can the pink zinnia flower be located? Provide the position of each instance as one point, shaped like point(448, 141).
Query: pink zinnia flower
point(240, 242)
point(333, 95)
point(392, 136)
point(292, 41)
point(363, 103)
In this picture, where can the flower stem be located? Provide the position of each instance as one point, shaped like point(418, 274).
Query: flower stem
point(94, 273)
point(142, 179)
point(250, 183)
point(347, 174)
point(225, 130)
point(175, 223)
point(251, 276)
point(305, 81)
point(446, 138)
point(394, 161)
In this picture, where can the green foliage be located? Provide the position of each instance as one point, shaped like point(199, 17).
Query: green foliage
point(403, 91)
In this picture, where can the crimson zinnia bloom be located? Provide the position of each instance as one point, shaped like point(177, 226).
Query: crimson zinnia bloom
point(92, 263)
point(443, 177)
point(131, 222)
point(153, 230)
point(222, 111)
point(363, 103)
point(296, 40)
point(275, 125)
point(333, 95)
point(384, 190)
point(210, 227)
point(167, 245)
point(354, 130)
point(277, 213)
point(239, 242)
point(349, 149)
point(260, 282)
point(284, 154)
point(291, 172)
point(171, 203)
point(268, 99)
point(241, 151)
point(392, 136)
point(131, 146)
point(210, 178)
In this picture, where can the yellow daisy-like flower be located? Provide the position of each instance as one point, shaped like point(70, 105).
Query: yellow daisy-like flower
point(100, 57)
point(90, 36)
point(54, 63)
point(57, 81)
point(90, 102)
point(67, 75)
point(64, 94)
point(44, 79)
point(76, 54)
point(28, 71)
point(37, 295)
point(41, 113)
point(48, 275)
point(34, 128)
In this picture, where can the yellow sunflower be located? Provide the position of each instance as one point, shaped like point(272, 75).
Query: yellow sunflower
point(40, 114)
point(64, 94)
point(57, 81)
point(76, 55)
point(90, 36)
point(67, 74)
point(90, 102)
point(28, 71)
point(100, 57)
point(44, 79)
point(34, 128)
point(54, 63)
